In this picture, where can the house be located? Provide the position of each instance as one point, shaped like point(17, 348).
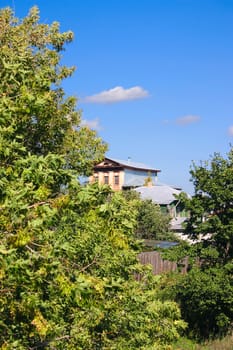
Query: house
point(165, 197)
point(123, 174)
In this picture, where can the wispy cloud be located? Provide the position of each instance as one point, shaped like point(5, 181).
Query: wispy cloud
point(92, 124)
point(187, 119)
point(117, 94)
point(230, 130)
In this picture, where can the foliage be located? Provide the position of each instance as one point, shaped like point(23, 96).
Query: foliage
point(206, 301)
point(35, 115)
point(200, 254)
point(186, 344)
point(70, 281)
point(205, 294)
point(205, 298)
point(211, 208)
point(68, 255)
point(151, 222)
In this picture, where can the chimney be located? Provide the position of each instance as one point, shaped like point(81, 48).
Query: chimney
point(148, 181)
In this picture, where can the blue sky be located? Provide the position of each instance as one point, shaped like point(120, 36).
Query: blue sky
point(154, 77)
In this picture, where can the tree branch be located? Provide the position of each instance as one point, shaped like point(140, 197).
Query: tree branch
point(37, 204)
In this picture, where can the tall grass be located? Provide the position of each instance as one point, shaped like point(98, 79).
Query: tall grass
point(224, 344)
point(220, 344)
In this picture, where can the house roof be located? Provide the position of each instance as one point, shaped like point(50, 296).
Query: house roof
point(160, 193)
point(133, 165)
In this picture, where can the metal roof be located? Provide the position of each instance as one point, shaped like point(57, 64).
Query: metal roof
point(135, 165)
point(160, 193)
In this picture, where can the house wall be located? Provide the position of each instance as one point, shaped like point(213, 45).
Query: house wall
point(137, 177)
point(114, 179)
point(126, 177)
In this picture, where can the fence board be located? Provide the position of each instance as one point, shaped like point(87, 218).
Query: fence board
point(158, 264)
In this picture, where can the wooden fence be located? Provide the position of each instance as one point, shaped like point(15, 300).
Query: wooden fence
point(158, 264)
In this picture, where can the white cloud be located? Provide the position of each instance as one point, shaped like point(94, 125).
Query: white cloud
point(187, 119)
point(117, 94)
point(92, 124)
point(230, 130)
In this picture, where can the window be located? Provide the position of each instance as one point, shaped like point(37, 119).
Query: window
point(106, 179)
point(95, 177)
point(116, 179)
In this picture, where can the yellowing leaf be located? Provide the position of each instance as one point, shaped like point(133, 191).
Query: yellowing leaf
point(41, 324)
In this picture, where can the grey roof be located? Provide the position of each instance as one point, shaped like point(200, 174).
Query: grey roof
point(160, 194)
point(136, 165)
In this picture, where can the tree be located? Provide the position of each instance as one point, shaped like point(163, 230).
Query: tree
point(205, 294)
point(151, 222)
point(211, 207)
point(68, 255)
point(36, 116)
point(206, 300)
point(70, 283)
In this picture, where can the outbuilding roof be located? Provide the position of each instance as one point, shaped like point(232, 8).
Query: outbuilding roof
point(160, 193)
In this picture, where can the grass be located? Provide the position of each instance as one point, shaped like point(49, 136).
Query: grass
point(220, 344)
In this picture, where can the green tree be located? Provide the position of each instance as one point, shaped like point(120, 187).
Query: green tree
point(152, 223)
point(36, 116)
point(68, 256)
point(206, 300)
point(211, 208)
point(70, 281)
point(205, 294)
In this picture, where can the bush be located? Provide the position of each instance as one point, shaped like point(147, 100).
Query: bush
point(206, 302)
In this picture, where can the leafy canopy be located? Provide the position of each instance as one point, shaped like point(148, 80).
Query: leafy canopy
point(152, 223)
point(68, 257)
point(35, 115)
point(205, 294)
point(211, 207)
